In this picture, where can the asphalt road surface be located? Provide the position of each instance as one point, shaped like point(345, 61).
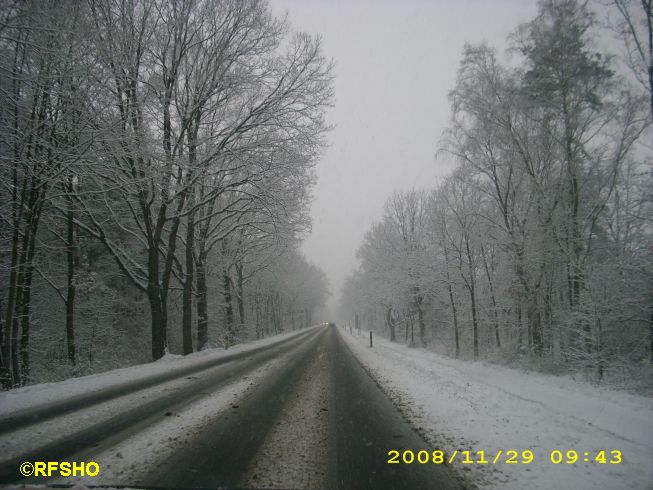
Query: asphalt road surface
point(310, 417)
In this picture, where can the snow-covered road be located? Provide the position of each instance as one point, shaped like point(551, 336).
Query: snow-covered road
point(139, 411)
point(300, 413)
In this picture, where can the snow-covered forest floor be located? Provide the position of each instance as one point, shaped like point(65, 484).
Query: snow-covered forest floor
point(479, 406)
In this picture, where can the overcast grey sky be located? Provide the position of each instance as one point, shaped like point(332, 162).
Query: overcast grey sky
point(396, 61)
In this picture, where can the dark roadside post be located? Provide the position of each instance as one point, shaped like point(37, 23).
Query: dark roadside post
point(370, 338)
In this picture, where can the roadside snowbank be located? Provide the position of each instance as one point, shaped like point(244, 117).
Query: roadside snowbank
point(30, 396)
point(478, 406)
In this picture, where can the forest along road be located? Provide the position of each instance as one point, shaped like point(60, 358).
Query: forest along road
point(301, 413)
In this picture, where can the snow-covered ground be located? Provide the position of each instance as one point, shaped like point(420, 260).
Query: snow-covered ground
point(29, 396)
point(459, 405)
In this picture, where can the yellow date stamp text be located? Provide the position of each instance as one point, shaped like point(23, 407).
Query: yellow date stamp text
point(500, 456)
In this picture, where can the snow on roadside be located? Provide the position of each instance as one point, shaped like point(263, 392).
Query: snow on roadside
point(33, 395)
point(479, 406)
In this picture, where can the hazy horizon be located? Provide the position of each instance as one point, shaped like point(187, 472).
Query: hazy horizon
point(395, 65)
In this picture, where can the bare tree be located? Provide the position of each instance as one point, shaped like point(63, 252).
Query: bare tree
point(634, 24)
point(43, 136)
point(195, 96)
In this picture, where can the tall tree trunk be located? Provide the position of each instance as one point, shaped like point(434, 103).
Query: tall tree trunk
point(25, 314)
point(187, 295)
point(412, 332)
point(240, 299)
point(10, 328)
point(6, 370)
point(268, 314)
point(276, 311)
point(257, 306)
point(548, 341)
point(202, 304)
point(495, 314)
point(158, 318)
point(650, 332)
point(533, 316)
point(518, 322)
point(20, 354)
point(71, 259)
point(391, 325)
point(472, 297)
point(454, 311)
point(454, 314)
point(15, 357)
point(25, 275)
point(406, 331)
point(650, 71)
point(228, 309)
point(18, 308)
point(535, 325)
point(2, 343)
point(8, 351)
point(420, 320)
point(575, 248)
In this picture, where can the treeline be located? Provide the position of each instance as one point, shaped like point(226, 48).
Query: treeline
point(539, 243)
point(156, 160)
